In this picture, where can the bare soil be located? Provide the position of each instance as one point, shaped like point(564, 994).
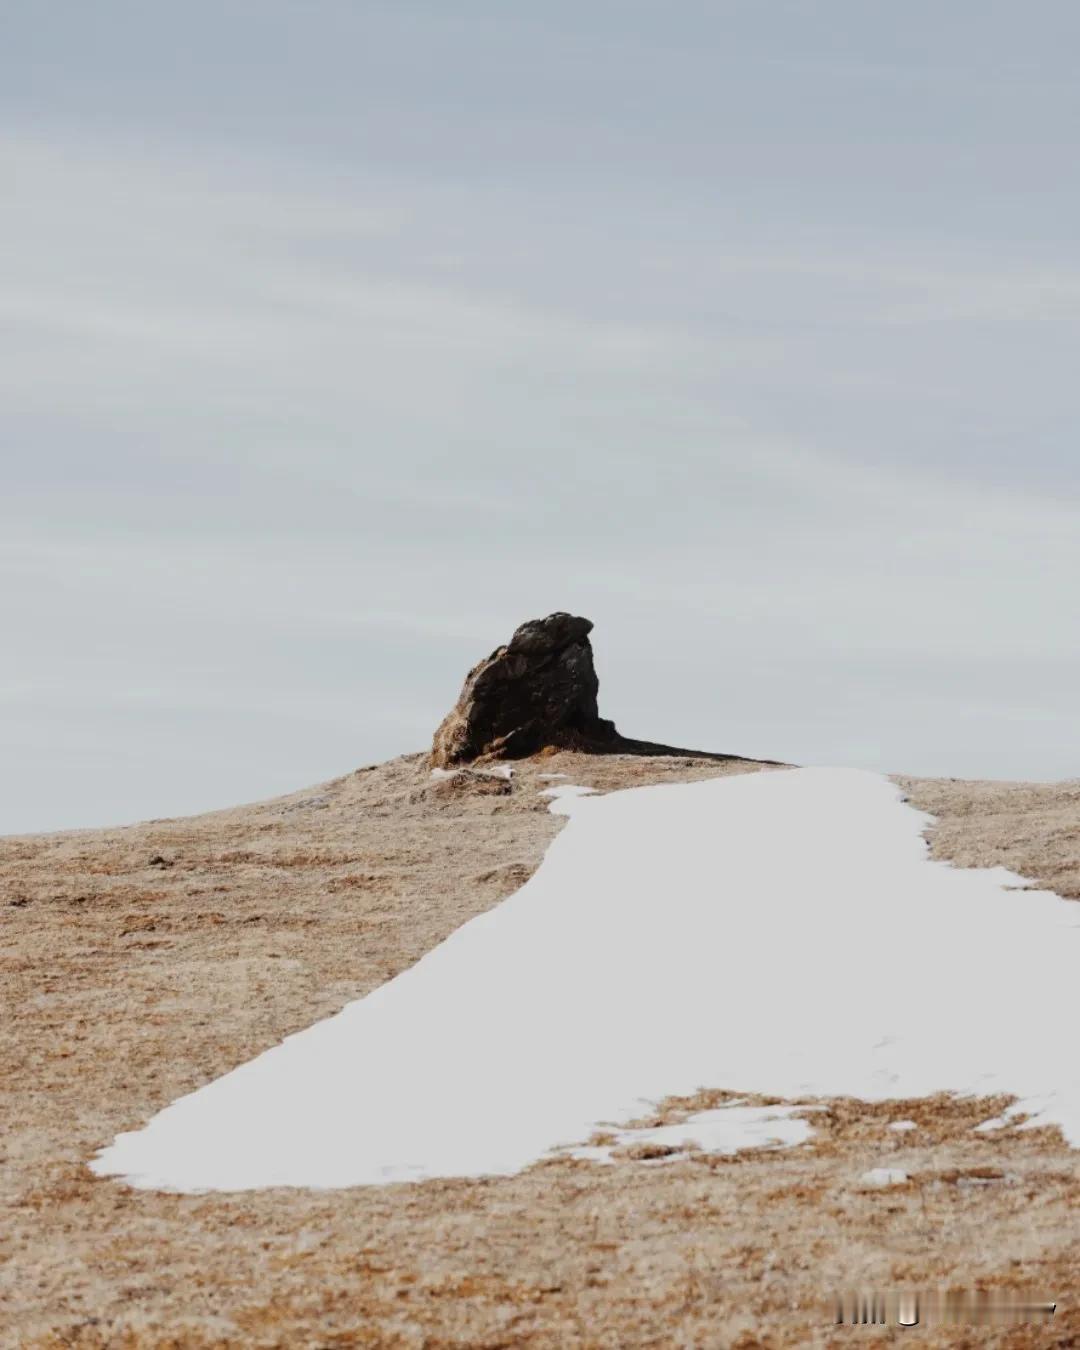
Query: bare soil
point(137, 964)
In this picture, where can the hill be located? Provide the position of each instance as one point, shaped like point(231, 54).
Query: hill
point(143, 962)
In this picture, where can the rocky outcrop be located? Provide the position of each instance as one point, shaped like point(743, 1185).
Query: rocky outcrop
point(537, 691)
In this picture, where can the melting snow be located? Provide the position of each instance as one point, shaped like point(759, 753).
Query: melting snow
point(1007, 1118)
point(884, 1176)
point(781, 932)
point(565, 793)
point(727, 1129)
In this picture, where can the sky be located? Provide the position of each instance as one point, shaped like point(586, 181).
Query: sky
point(338, 338)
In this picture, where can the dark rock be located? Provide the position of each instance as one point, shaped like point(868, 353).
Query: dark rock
point(537, 691)
point(158, 861)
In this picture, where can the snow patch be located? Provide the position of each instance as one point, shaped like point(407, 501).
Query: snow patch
point(884, 1176)
point(1005, 1120)
point(564, 794)
point(780, 932)
point(727, 1129)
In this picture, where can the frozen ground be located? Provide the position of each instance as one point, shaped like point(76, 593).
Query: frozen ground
point(778, 932)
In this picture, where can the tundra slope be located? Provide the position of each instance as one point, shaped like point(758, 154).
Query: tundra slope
point(130, 982)
point(737, 903)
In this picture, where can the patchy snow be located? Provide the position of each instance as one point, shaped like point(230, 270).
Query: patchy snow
point(1008, 1118)
point(551, 775)
point(564, 794)
point(782, 932)
point(902, 1126)
point(726, 1129)
point(884, 1176)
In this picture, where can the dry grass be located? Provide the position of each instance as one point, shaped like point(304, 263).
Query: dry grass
point(129, 981)
point(1031, 828)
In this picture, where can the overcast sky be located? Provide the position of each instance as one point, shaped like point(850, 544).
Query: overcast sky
point(338, 337)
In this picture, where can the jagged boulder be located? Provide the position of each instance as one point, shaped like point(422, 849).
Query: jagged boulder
point(539, 690)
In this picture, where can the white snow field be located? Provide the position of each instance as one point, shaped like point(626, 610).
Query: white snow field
point(781, 932)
